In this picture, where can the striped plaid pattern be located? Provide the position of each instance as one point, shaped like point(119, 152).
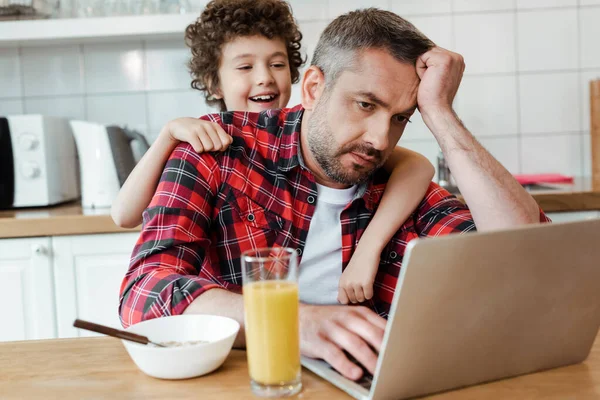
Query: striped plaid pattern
point(209, 208)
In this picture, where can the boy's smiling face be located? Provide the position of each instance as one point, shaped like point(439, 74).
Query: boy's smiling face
point(254, 74)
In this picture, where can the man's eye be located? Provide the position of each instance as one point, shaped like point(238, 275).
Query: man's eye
point(401, 118)
point(365, 106)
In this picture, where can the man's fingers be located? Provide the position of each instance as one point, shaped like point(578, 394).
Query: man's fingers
point(335, 357)
point(361, 326)
point(373, 318)
point(355, 346)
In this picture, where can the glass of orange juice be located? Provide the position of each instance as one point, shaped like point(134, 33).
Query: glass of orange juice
point(270, 278)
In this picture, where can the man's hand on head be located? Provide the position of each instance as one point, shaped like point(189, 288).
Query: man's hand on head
point(440, 71)
point(327, 331)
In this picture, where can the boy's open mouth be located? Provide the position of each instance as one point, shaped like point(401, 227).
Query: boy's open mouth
point(264, 98)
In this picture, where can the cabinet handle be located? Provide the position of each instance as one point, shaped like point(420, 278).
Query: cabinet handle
point(39, 249)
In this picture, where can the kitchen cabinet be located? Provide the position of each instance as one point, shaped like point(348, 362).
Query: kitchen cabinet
point(573, 216)
point(27, 294)
point(88, 271)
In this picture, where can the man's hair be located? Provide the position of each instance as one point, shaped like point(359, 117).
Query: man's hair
point(225, 20)
point(346, 36)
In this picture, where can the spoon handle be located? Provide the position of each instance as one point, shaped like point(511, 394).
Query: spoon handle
point(106, 330)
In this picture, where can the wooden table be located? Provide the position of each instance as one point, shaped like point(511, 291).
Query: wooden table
point(94, 368)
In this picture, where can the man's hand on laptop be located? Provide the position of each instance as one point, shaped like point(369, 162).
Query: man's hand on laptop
point(327, 331)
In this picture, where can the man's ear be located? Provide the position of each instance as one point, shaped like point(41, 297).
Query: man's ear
point(313, 85)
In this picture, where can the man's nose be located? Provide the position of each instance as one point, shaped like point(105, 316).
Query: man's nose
point(264, 77)
point(377, 134)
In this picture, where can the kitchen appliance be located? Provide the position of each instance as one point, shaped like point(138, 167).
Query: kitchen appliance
point(38, 164)
point(106, 158)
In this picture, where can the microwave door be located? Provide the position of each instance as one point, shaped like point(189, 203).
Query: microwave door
point(7, 172)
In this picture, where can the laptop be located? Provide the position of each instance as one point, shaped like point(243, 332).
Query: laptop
point(478, 307)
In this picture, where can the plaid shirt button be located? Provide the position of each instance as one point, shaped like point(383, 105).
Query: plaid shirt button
point(299, 251)
point(250, 217)
point(310, 199)
point(393, 255)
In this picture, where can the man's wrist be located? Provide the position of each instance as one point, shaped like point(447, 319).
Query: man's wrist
point(439, 119)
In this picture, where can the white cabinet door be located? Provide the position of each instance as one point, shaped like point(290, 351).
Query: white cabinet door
point(26, 293)
point(88, 271)
point(573, 216)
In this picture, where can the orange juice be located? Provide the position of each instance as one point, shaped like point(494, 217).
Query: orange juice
point(272, 331)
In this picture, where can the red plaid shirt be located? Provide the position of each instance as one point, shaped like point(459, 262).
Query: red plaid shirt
point(209, 208)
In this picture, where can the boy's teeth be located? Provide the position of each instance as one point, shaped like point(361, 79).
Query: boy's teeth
point(263, 98)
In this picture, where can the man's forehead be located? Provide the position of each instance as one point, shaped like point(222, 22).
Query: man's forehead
point(379, 73)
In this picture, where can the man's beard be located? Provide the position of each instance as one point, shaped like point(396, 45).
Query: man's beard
point(327, 154)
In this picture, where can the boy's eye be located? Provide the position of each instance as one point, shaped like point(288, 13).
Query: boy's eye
point(365, 106)
point(278, 65)
point(245, 67)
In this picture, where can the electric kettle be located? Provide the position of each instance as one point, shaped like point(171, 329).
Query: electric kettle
point(106, 158)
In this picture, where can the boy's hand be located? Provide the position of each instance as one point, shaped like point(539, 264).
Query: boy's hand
point(356, 282)
point(202, 135)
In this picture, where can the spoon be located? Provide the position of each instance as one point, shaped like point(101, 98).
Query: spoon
point(106, 330)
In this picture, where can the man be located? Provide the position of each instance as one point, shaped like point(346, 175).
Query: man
point(370, 71)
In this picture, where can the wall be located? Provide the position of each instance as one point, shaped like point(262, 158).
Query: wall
point(524, 94)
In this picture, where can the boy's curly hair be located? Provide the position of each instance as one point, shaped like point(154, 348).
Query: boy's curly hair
point(224, 20)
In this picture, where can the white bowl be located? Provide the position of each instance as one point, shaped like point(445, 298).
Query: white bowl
point(185, 361)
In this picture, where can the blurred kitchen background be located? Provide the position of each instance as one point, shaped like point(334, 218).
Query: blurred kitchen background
point(525, 93)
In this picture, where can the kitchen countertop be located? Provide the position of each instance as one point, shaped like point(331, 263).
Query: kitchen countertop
point(65, 219)
point(101, 368)
point(72, 219)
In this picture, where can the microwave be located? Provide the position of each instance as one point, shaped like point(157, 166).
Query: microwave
point(38, 161)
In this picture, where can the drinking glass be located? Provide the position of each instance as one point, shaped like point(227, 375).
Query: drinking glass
point(270, 287)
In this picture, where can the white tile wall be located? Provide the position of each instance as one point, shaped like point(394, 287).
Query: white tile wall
point(166, 65)
point(8, 107)
point(483, 5)
point(524, 94)
point(338, 7)
point(114, 68)
point(486, 41)
point(532, 4)
point(505, 150)
point(590, 32)
point(488, 104)
point(548, 40)
point(438, 28)
point(10, 73)
point(52, 70)
point(552, 153)
point(549, 103)
point(421, 7)
point(68, 106)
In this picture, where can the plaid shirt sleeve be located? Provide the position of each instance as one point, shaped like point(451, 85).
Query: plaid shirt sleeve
point(441, 213)
point(170, 265)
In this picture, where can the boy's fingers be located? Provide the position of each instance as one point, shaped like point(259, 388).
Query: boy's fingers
point(358, 292)
point(368, 291)
point(351, 295)
point(342, 297)
point(197, 145)
point(207, 142)
point(214, 136)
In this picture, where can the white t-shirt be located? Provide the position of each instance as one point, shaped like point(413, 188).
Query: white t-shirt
point(321, 265)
